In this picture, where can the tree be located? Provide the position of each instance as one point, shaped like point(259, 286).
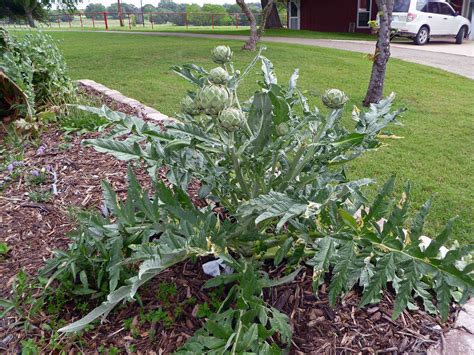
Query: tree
point(221, 18)
point(95, 10)
point(382, 53)
point(255, 32)
point(31, 10)
point(273, 20)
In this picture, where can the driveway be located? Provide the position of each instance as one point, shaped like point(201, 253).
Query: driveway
point(457, 59)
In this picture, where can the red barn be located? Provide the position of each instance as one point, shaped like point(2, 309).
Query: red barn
point(341, 15)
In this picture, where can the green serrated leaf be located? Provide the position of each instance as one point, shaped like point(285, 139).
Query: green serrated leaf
point(384, 270)
point(282, 252)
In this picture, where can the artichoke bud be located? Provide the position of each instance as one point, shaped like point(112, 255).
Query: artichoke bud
point(189, 106)
point(334, 98)
point(219, 76)
point(213, 99)
point(231, 119)
point(221, 55)
point(202, 119)
point(282, 129)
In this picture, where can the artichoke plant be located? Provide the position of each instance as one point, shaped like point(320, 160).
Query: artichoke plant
point(292, 201)
point(212, 99)
point(231, 119)
point(221, 55)
point(219, 76)
point(334, 99)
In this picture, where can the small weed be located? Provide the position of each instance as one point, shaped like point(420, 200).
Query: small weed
point(64, 146)
point(29, 347)
point(127, 323)
point(40, 196)
point(3, 248)
point(23, 300)
point(165, 292)
point(204, 311)
point(36, 178)
point(108, 351)
point(178, 311)
point(81, 122)
point(156, 316)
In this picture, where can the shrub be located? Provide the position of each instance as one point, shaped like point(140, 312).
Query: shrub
point(278, 168)
point(37, 68)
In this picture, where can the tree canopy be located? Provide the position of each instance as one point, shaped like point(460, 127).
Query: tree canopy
point(31, 10)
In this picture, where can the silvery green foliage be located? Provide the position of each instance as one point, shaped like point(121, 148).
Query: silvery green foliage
point(37, 66)
point(278, 167)
point(334, 98)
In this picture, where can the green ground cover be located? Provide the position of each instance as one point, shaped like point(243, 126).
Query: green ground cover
point(436, 153)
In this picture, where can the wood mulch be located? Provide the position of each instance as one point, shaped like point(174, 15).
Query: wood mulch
point(33, 230)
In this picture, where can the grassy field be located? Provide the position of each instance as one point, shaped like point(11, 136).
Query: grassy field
point(114, 25)
point(436, 153)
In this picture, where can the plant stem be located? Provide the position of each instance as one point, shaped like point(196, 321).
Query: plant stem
point(238, 170)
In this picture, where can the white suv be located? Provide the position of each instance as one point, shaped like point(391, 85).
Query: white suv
point(423, 19)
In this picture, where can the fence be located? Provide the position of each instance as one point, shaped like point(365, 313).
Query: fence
point(145, 20)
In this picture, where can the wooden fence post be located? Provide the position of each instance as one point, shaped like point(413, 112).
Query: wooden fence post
point(105, 21)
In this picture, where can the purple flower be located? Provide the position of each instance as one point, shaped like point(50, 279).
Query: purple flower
point(35, 173)
point(40, 150)
point(17, 163)
point(10, 167)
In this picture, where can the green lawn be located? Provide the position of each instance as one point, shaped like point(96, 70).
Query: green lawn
point(436, 153)
point(225, 30)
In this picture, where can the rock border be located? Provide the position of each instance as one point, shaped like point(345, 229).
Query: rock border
point(116, 98)
point(459, 340)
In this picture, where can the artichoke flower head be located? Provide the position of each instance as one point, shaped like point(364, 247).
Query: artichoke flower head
point(221, 54)
point(212, 99)
point(334, 98)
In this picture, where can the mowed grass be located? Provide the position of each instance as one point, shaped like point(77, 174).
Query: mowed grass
point(436, 153)
point(114, 25)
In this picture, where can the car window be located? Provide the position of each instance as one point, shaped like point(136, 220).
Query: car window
point(431, 7)
point(401, 5)
point(422, 5)
point(445, 9)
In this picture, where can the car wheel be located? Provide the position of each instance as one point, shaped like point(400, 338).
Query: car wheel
point(460, 36)
point(423, 36)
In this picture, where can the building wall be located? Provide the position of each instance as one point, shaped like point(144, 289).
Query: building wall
point(331, 15)
point(337, 15)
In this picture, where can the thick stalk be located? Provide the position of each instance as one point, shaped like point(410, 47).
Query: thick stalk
point(237, 168)
point(238, 172)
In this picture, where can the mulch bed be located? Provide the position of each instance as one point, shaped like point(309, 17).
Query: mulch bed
point(33, 230)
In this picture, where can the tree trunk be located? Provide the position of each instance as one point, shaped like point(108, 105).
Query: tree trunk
point(251, 44)
point(120, 13)
point(29, 18)
point(382, 53)
point(273, 20)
